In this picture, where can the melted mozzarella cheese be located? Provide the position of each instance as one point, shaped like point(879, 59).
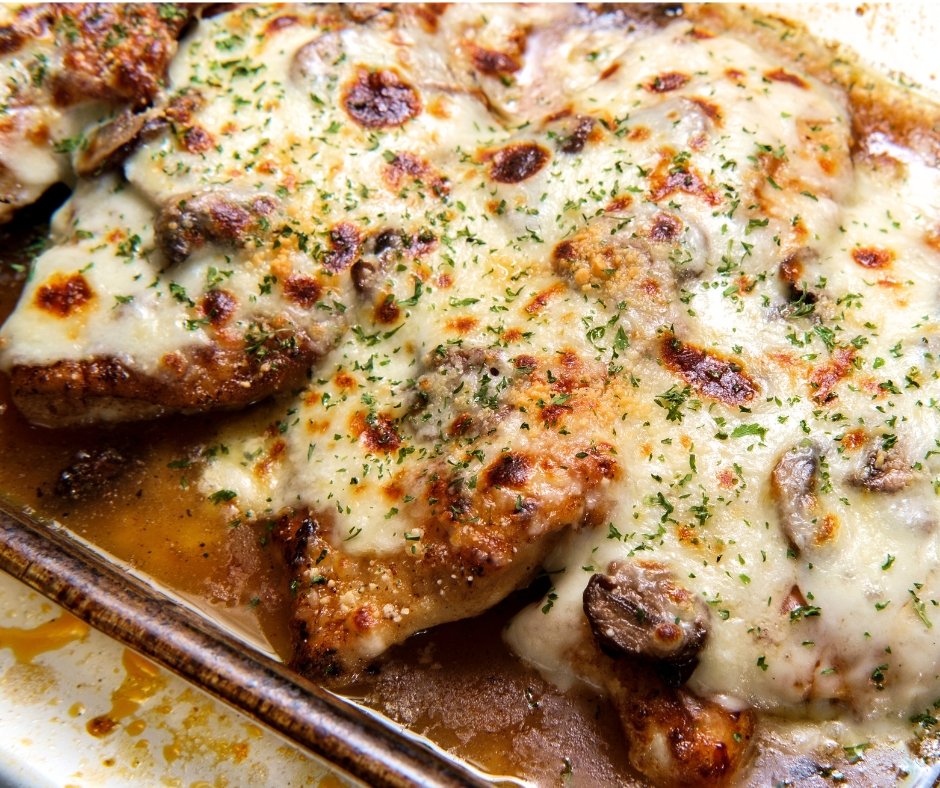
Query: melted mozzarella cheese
point(751, 164)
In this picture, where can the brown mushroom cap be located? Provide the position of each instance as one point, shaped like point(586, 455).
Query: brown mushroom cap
point(793, 486)
point(883, 470)
point(638, 610)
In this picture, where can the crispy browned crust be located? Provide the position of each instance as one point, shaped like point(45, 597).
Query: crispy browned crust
point(877, 107)
point(474, 550)
point(114, 52)
point(474, 542)
point(674, 737)
point(69, 393)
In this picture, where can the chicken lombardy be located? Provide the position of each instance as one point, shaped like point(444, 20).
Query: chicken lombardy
point(641, 300)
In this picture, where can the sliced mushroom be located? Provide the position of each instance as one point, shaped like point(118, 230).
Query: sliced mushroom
point(92, 473)
point(188, 223)
point(318, 59)
point(637, 609)
point(378, 253)
point(112, 142)
point(462, 392)
point(884, 471)
point(793, 486)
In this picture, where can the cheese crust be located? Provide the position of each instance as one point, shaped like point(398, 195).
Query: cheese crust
point(643, 301)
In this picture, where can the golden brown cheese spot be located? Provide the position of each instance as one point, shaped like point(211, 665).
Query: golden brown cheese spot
point(872, 257)
point(393, 491)
point(408, 167)
point(824, 379)
point(618, 204)
point(564, 112)
point(376, 432)
point(62, 295)
point(665, 227)
point(386, 310)
point(302, 290)
point(463, 325)
point(492, 62)
point(712, 111)
point(510, 470)
point(460, 426)
point(799, 230)
point(218, 306)
point(552, 414)
point(826, 530)
point(345, 243)
point(572, 373)
point(583, 131)
point(650, 287)
point(667, 81)
point(854, 439)
point(439, 107)
point(345, 381)
point(517, 162)
point(197, 140)
point(639, 134)
point(709, 374)
point(540, 300)
point(671, 177)
point(932, 239)
point(735, 74)
point(380, 99)
point(101, 726)
point(781, 75)
point(271, 458)
point(363, 619)
point(38, 135)
point(428, 14)
point(827, 164)
point(608, 72)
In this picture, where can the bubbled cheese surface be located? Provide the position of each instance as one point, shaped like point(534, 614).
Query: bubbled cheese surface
point(748, 161)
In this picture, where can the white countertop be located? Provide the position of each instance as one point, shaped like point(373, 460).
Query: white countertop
point(58, 678)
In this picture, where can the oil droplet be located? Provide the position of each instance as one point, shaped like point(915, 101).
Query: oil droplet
point(142, 682)
point(136, 728)
point(171, 752)
point(27, 644)
point(77, 709)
